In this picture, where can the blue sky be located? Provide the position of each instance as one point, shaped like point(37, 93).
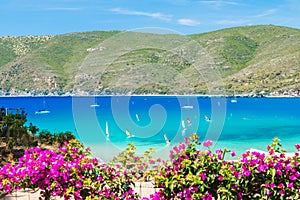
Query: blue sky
point(51, 17)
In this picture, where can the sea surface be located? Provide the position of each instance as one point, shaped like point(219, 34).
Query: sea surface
point(233, 123)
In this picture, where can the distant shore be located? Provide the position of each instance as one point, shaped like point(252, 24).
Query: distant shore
point(158, 95)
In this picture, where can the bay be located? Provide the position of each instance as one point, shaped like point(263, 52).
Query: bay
point(237, 124)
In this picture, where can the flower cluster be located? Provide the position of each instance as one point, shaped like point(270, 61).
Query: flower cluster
point(272, 175)
point(201, 174)
point(192, 173)
point(68, 173)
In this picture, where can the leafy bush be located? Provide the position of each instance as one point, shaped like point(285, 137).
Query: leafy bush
point(46, 137)
point(141, 167)
point(192, 173)
point(201, 174)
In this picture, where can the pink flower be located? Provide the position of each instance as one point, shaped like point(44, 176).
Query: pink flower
point(297, 146)
point(219, 151)
point(233, 154)
point(247, 173)
point(281, 192)
point(78, 184)
point(240, 195)
point(220, 157)
point(290, 185)
point(280, 185)
point(187, 141)
point(203, 176)
point(207, 143)
point(268, 192)
point(237, 175)
point(151, 161)
point(293, 177)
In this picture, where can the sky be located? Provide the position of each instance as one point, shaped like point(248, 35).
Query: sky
point(53, 17)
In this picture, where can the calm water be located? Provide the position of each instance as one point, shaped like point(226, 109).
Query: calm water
point(247, 123)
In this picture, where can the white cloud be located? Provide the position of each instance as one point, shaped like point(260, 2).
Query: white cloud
point(188, 22)
point(266, 13)
point(147, 14)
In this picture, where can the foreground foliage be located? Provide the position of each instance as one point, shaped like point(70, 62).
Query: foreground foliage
point(193, 172)
point(141, 167)
point(16, 136)
point(201, 174)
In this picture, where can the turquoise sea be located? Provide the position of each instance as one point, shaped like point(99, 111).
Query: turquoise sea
point(235, 123)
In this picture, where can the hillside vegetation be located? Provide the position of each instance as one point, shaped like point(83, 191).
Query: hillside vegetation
point(258, 60)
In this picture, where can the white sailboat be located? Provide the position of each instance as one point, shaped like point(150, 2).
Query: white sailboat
point(44, 110)
point(129, 135)
point(183, 132)
point(207, 118)
point(106, 131)
point(188, 106)
point(188, 120)
point(183, 124)
point(137, 117)
point(167, 139)
point(233, 100)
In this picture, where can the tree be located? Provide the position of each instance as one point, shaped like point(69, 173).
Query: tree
point(33, 129)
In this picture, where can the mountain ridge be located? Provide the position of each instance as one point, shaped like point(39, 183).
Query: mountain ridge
point(250, 60)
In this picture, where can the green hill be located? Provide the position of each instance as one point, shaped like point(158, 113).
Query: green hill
point(242, 60)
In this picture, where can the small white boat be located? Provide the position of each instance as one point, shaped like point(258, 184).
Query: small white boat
point(94, 105)
point(233, 101)
point(187, 107)
point(42, 112)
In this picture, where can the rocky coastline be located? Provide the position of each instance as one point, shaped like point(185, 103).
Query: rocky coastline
point(281, 93)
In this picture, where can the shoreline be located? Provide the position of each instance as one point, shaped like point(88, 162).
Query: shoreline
point(158, 95)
